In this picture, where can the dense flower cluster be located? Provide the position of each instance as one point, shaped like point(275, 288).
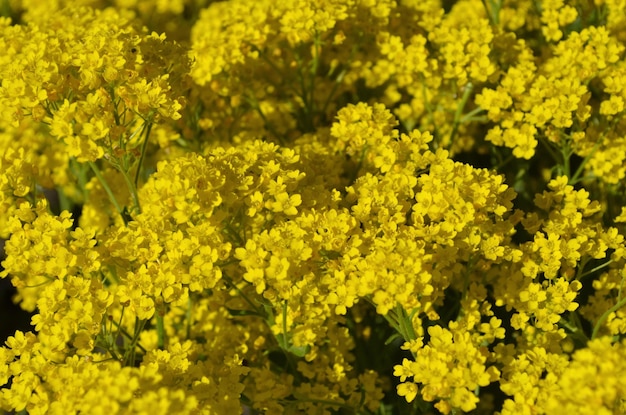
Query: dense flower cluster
point(314, 206)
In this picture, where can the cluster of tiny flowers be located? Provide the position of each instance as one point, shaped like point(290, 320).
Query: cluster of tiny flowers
point(314, 206)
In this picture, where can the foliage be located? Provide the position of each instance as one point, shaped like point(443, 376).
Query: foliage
point(314, 206)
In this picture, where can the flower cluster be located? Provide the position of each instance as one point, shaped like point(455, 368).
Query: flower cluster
point(307, 206)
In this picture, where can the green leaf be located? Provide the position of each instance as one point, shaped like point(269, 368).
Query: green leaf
point(282, 341)
point(392, 338)
point(299, 351)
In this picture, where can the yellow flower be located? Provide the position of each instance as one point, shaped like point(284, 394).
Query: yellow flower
point(408, 390)
point(533, 296)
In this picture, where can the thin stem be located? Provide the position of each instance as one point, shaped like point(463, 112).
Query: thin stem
point(591, 271)
point(355, 174)
point(317, 48)
point(488, 12)
point(581, 267)
point(229, 281)
point(129, 355)
point(395, 324)
point(79, 171)
point(339, 78)
point(470, 115)
point(116, 115)
point(126, 334)
point(566, 153)
point(467, 91)
point(132, 189)
point(333, 90)
point(504, 162)
point(579, 326)
point(303, 89)
point(606, 315)
point(119, 327)
point(431, 116)
point(108, 190)
point(160, 332)
point(188, 316)
point(574, 178)
point(285, 344)
point(574, 328)
point(232, 233)
point(282, 340)
point(144, 145)
point(549, 149)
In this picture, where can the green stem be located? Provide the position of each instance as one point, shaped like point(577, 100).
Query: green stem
point(355, 174)
point(114, 355)
point(108, 191)
point(118, 326)
point(233, 234)
point(470, 115)
point(116, 115)
point(160, 332)
point(604, 316)
point(188, 316)
point(549, 149)
point(64, 202)
point(126, 334)
point(303, 88)
point(488, 12)
point(504, 162)
point(429, 109)
point(581, 267)
point(339, 78)
point(574, 179)
point(566, 153)
point(317, 47)
point(394, 323)
point(285, 344)
point(591, 271)
point(467, 91)
point(580, 331)
point(573, 326)
point(333, 90)
point(144, 145)
point(282, 342)
point(79, 170)
point(129, 355)
point(493, 13)
point(229, 282)
point(133, 190)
